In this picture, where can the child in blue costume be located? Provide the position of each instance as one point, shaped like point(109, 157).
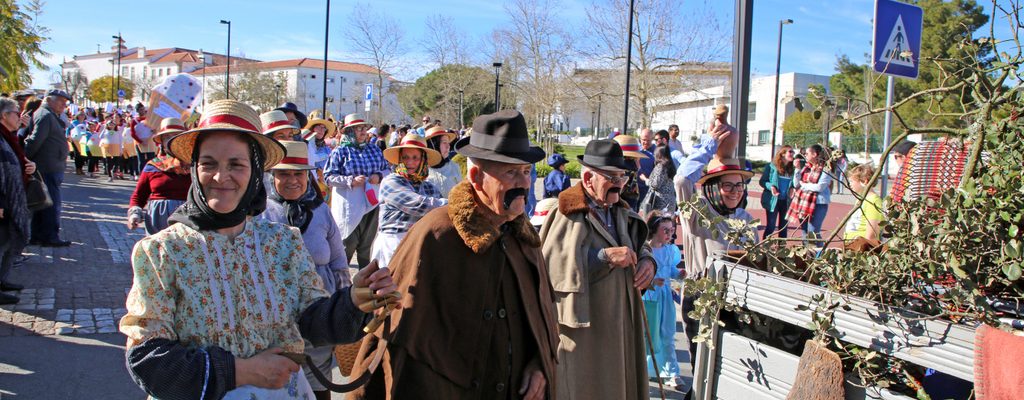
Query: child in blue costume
point(661, 310)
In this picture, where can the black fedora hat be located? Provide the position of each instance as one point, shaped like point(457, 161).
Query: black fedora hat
point(605, 155)
point(294, 109)
point(500, 137)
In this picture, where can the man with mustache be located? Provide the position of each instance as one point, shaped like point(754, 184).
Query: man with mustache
point(477, 317)
point(596, 253)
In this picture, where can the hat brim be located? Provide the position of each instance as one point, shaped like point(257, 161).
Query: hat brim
point(393, 154)
point(180, 146)
point(634, 154)
point(320, 121)
point(292, 167)
point(533, 156)
point(742, 172)
point(451, 135)
point(559, 163)
point(161, 136)
point(610, 168)
point(357, 124)
point(271, 131)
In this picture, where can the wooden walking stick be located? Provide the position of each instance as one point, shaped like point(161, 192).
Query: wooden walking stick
point(647, 332)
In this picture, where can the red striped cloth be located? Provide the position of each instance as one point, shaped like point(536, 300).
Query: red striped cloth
point(804, 202)
point(931, 168)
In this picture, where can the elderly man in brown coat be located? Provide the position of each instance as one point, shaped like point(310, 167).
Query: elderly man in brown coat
point(596, 253)
point(477, 315)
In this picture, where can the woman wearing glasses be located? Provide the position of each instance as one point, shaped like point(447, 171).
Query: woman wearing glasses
point(722, 191)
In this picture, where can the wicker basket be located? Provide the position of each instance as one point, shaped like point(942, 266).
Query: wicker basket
point(346, 354)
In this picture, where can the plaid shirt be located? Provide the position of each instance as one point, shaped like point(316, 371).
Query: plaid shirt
point(352, 161)
point(403, 203)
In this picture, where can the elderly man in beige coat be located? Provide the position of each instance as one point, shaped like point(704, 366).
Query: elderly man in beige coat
point(597, 260)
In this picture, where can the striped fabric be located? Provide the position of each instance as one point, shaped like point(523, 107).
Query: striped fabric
point(931, 168)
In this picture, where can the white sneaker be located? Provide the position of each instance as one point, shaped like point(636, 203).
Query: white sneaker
point(110, 179)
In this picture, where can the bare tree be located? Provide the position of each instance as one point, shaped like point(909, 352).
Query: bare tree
point(253, 87)
point(376, 38)
point(670, 45)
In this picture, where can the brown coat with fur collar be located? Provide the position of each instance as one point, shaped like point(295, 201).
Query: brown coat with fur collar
point(601, 350)
point(437, 341)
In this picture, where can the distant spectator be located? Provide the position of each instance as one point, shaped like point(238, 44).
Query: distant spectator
point(901, 150)
point(810, 203)
point(557, 180)
point(48, 147)
point(673, 141)
point(864, 222)
point(776, 180)
point(662, 193)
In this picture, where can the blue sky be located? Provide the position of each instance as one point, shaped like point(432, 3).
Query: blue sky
point(270, 30)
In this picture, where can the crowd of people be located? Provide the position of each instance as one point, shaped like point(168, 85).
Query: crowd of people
point(252, 221)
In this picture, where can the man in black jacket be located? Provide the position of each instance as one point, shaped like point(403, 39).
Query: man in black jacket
point(47, 146)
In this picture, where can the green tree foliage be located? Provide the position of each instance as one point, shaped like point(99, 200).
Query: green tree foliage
point(104, 89)
point(437, 94)
point(801, 122)
point(21, 40)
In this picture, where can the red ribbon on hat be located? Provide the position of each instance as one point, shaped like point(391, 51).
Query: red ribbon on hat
point(414, 143)
point(541, 213)
point(228, 119)
point(630, 147)
point(724, 167)
point(355, 121)
point(276, 124)
point(295, 160)
point(178, 127)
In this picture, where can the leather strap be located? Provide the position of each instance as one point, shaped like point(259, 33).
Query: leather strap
point(378, 355)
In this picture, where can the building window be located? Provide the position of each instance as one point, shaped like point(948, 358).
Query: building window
point(144, 70)
point(168, 71)
point(763, 136)
point(160, 72)
point(752, 111)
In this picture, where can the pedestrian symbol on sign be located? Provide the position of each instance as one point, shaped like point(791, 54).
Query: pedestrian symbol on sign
point(895, 47)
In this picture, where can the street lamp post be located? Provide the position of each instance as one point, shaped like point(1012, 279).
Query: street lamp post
point(227, 74)
point(629, 66)
point(118, 43)
point(497, 74)
point(598, 116)
point(778, 64)
point(278, 87)
point(327, 31)
point(462, 116)
point(202, 60)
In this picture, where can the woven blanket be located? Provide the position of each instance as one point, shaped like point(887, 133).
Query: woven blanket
point(804, 202)
point(931, 168)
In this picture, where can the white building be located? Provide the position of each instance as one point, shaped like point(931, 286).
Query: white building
point(346, 86)
point(692, 110)
point(139, 65)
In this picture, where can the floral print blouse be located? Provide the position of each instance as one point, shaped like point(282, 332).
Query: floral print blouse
point(202, 289)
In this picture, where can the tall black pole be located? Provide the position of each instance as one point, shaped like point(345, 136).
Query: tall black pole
point(778, 65)
point(227, 75)
point(341, 96)
point(462, 116)
point(629, 67)
point(741, 71)
point(497, 74)
point(598, 116)
point(118, 37)
point(327, 24)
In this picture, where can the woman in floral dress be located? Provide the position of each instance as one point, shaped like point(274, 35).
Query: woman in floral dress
point(218, 296)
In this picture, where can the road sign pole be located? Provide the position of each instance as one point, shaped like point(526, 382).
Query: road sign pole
point(887, 135)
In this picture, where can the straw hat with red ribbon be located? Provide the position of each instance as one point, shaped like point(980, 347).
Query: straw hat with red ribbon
point(440, 131)
point(296, 157)
point(352, 120)
point(273, 121)
point(412, 141)
point(320, 121)
point(227, 116)
point(719, 167)
point(168, 127)
point(630, 146)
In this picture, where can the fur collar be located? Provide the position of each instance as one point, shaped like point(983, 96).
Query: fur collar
point(574, 200)
point(472, 225)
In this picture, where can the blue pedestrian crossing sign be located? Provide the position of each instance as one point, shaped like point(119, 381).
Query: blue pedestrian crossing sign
point(120, 94)
point(897, 38)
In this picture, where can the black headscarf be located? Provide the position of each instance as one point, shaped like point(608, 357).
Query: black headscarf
point(300, 211)
point(714, 196)
point(434, 143)
point(197, 214)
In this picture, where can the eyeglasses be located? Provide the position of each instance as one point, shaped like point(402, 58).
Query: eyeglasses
point(732, 187)
point(613, 179)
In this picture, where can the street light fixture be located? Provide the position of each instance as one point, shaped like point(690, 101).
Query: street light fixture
point(227, 76)
point(629, 66)
point(497, 98)
point(327, 23)
point(778, 64)
point(118, 44)
point(202, 60)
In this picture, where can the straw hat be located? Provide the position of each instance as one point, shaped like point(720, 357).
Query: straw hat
point(273, 121)
point(227, 116)
point(439, 131)
point(630, 146)
point(296, 156)
point(719, 167)
point(320, 121)
point(542, 209)
point(354, 120)
point(168, 127)
point(412, 141)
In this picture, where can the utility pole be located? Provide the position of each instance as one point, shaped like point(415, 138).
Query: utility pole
point(327, 31)
point(778, 70)
point(741, 71)
point(227, 75)
point(629, 66)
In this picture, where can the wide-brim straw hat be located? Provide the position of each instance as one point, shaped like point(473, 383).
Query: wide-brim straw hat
point(412, 141)
point(227, 116)
point(542, 209)
point(630, 146)
point(296, 157)
point(352, 120)
point(719, 167)
point(168, 128)
point(439, 131)
point(273, 121)
point(326, 123)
